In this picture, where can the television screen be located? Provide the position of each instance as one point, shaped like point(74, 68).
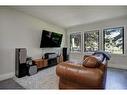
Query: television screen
point(50, 39)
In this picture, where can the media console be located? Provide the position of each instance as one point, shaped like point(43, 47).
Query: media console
point(50, 59)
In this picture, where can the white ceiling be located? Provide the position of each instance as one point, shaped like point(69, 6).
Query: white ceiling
point(67, 16)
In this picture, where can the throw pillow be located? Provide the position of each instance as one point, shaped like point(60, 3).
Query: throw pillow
point(91, 62)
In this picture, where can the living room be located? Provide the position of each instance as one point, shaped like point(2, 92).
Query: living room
point(22, 27)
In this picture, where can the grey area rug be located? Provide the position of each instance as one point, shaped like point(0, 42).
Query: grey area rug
point(44, 79)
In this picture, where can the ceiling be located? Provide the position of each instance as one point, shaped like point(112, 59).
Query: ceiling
point(68, 16)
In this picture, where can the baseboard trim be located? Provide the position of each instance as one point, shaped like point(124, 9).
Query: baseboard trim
point(6, 76)
point(118, 66)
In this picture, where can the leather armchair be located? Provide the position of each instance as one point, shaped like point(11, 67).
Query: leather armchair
point(79, 76)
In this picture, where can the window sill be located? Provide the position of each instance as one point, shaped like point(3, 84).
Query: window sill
point(118, 55)
point(75, 52)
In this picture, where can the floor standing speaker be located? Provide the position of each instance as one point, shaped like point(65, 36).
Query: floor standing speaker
point(65, 54)
point(20, 62)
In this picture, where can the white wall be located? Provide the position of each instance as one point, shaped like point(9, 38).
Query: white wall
point(20, 30)
point(117, 61)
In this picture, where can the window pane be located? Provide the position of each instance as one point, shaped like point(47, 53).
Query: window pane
point(113, 40)
point(75, 42)
point(91, 41)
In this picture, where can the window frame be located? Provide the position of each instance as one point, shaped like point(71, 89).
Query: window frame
point(97, 30)
point(70, 43)
point(103, 39)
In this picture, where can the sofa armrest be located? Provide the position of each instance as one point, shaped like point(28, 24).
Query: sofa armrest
point(80, 74)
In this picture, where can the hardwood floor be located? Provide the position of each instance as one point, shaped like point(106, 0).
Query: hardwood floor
point(116, 80)
point(10, 84)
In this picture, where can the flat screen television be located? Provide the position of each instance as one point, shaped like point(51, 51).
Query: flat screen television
point(50, 39)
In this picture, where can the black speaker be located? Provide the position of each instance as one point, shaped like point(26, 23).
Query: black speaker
point(20, 62)
point(65, 54)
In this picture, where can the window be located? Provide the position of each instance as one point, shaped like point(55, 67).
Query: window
point(75, 42)
point(114, 40)
point(91, 41)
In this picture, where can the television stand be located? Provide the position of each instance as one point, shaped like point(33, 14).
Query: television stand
point(50, 59)
point(52, 62)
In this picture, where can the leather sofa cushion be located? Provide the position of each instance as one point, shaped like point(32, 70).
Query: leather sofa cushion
point(91, 62)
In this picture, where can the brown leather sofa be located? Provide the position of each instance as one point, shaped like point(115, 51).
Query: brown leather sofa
point(88, 75)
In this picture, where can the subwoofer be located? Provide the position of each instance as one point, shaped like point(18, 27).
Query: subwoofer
point(20, 62)
point(65, 54)
point(32, 69)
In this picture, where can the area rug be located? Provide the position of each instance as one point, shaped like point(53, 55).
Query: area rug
point(44, 79)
